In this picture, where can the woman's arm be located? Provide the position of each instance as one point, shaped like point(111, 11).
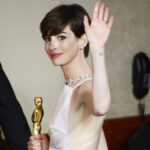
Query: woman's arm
point(98, 97)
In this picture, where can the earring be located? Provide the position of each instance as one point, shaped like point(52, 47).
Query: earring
point(81, 49)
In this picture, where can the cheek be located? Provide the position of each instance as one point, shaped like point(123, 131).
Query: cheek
point(46, 48)
point(70, 46)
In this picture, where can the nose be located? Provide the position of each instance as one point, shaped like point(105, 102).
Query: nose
point(53, 43)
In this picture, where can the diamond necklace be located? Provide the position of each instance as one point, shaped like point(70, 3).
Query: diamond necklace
point(73, 80)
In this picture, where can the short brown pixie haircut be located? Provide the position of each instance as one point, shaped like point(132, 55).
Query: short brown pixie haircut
point(59, 17)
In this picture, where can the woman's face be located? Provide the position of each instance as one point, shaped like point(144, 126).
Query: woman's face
point(62, 48)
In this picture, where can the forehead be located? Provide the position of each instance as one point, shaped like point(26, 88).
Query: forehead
point(67, 30)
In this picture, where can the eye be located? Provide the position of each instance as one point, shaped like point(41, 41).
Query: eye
point(47, 39)
point(61, 37)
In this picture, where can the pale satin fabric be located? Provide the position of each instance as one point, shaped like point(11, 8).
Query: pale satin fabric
point(59, 126)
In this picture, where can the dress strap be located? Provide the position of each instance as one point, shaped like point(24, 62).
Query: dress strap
point(82, 82)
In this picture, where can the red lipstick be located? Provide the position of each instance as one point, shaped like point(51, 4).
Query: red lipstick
point(55, 55)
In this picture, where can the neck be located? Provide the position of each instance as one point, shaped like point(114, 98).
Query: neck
point(76, 68)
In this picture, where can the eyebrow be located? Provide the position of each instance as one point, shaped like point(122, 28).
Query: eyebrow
point(64, 32)
point(58, 34)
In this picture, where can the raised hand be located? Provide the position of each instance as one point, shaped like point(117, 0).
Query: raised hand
point(98, 31)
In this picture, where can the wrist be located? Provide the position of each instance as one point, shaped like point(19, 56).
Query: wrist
point(94, 46)
point(98, 52)
point(97, 48)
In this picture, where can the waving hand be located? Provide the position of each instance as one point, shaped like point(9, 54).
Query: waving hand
point(98, 31)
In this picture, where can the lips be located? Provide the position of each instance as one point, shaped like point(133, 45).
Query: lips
point(55, 55)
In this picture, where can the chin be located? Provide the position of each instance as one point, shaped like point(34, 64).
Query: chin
point(58, 63)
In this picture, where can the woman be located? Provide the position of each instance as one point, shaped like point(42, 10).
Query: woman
point(78, 117)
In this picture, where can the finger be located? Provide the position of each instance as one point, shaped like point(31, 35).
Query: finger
point(86, 23)
point(34, 141)
point(96, 10)
point(29, 148)
point(34, 148)
point(110, 21)
point(38, 137)
point(32, 137)
point(106, 14)
point(101, 11)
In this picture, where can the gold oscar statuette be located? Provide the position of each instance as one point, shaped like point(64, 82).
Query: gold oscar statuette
point(37, 116)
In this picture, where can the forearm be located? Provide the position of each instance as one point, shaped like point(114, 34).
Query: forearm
point(100, 86)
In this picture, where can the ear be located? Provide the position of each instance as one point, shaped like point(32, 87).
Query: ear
point(83, 41)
